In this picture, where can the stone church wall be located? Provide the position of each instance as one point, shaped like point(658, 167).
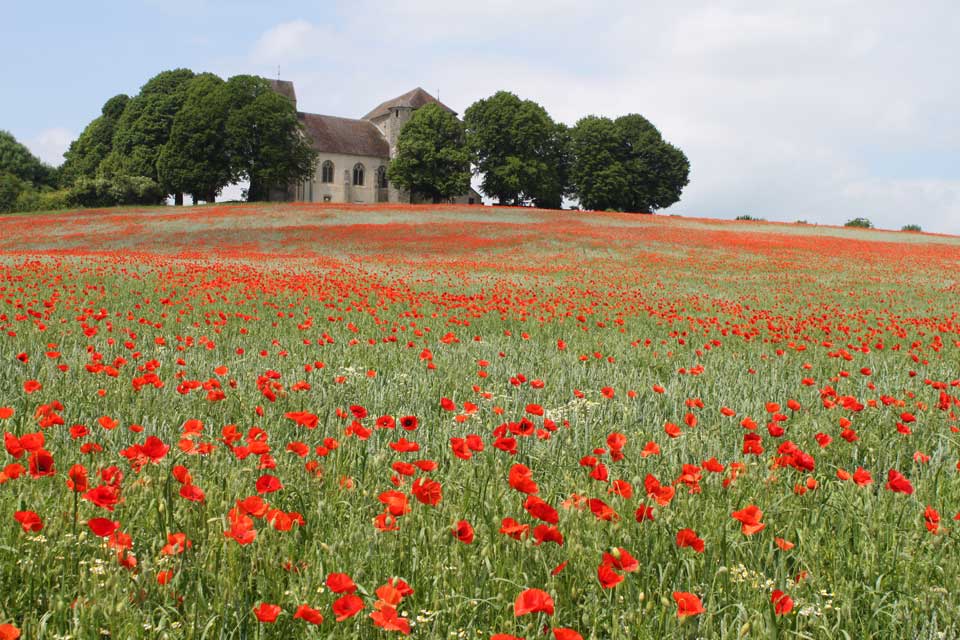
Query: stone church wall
point(342, 188)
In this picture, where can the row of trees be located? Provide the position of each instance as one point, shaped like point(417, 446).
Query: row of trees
point(189, 133)
point(184, 133)
point(523, 157)
point(194, 133)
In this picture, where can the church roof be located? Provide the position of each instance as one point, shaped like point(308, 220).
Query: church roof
point(344, 135)
point(412, 99)
point(284, 88)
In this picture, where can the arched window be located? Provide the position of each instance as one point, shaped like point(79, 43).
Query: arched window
point(326, 173)
point(358, 174)
point(381, 177)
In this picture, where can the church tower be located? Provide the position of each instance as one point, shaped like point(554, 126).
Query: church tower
point(390, 116)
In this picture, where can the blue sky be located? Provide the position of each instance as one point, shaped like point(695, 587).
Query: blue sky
point(822, 111)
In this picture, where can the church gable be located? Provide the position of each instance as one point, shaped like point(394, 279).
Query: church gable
point(411, 100)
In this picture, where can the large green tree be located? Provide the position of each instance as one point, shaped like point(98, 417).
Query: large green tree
point(432, 158)
point(16, 160)
point(265, 141)
point(144, 127)
point(85, 154)
point(195, 159)
point(518, 150)
point(625, 164)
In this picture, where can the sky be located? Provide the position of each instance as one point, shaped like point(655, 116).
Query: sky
point(820, 111)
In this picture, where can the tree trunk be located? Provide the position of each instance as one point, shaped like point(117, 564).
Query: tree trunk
point(178, 199)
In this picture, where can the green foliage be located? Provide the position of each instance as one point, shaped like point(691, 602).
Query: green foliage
point(194, 160)
point(264, 138)
point(911, 227)
point(144, 127)
point(747, 216)
point(625, 165)
point(518, 149)
point(10, 189)
point(49, 200)
point(17, 160)
point(432, 158)
point(860, 223)
point(85, 154)
point(117, 190)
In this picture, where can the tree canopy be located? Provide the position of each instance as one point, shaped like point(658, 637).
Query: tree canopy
point(188, 133)
point(16, 160)
point(519, 151)
point(625, 164)
point(265, 141)
point(85, 154)
point(194, 160)
point(145, 126)
point(432, 158)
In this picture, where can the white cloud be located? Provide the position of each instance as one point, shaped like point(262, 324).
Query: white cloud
point(782, 109)
point(292, 41)
point(49, 144)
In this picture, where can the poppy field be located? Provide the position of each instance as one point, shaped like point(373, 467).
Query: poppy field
point(324, 421)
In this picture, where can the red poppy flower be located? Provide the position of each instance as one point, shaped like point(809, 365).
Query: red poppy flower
point(29, 520)
point(514, 529)
point(268, 484)
point(688, 604)
point(308, 614)
point(9, 632)
point(560, 633)
point(897, 483)
point(347, 607)
point(688, 538)
point(862, 477)
point(749, 518)
point(387, 618)
point(620, 558)
point(102, 527)
point(541, 510)
point(545, 533)
point(608, 577)
point(41, 464)
point(463, 532)
point(427, 491)
point(341, 583)
point(267, 612)
point(521, 479)
point(105, 496)
point(784, 544)
point(782, 603)
point(533, 601)
point(397, 503)
point(192, 492)
point(602, 510)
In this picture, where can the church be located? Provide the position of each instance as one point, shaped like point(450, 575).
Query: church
point(353, 155)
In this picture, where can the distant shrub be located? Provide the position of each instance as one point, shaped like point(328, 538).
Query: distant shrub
point(860, 223)
point(747, 216)
point(31, 200)
point(801, 222)
point(911, 227)
point(10, 189)
point(118, 190)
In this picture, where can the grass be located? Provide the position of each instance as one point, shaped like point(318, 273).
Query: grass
point(246, 314)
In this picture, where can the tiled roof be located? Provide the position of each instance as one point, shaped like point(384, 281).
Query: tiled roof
point(413, 99)
point(344, 135)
